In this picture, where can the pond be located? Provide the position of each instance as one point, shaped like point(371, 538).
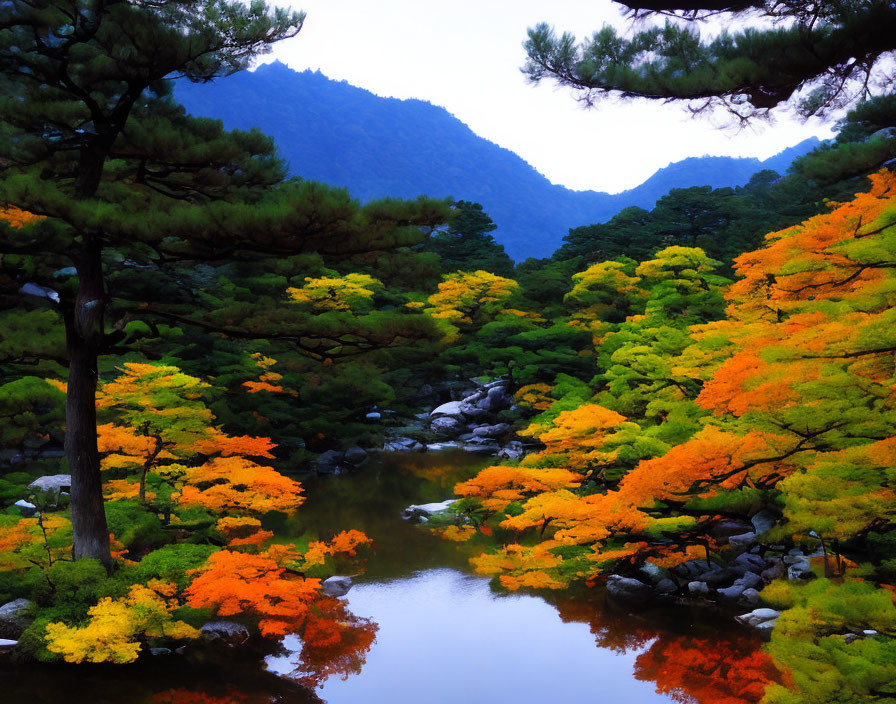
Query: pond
point(431, 631)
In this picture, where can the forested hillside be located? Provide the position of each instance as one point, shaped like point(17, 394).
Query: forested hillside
point(341, 135)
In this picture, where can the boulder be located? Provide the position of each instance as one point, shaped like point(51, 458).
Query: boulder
point(452, 409)
point(374, 415)
point(776, 570)
point(328, 462)
point(496, 399)
point(491, 431)
point(732, 592)
point(752, 562)
point(728, 527)
point(402, 445)
point(436, 446)
point(750, 595)
point(666, 586)
point(763, 522)
point(446, 425)
point(7, 645)
point(160, 652)
point(355, 456)
point(15, 618)
point(474, 397)
point(743, 540)
point(482, 446)
point(497, 382)
point(225, 633)
point(512, 451)
point(26, 508)
point(336, 586)
point(428, 510)
point(885, 133)
point(748, 581)
point(801, 571)
point(757, 616)
point(628, 590)
point(53, 483)
point(725, 575)
point(698, 588)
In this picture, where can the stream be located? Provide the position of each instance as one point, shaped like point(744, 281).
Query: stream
point(431, 631)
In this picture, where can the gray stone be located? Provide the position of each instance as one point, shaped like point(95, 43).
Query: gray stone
point(728, 527)
point(776, 570)
point(474, 397)
point(15, 618)
point(225, 632)
point(473, 412)
point(750, 595)
point(801, 571)
point(160, 652)
point(763, 522)
point(402, 444)
point(512, 450)
point(496, 399)
point(497, 382)
point(869, 633)
point(794, 559)
point(743, 540)
point(885, 133)
point(26, 508)
point(436, 446)
point(851, 637)
point(628, 590)
point(6, 644)
point(750, 561)
point(428, 510)
point(482, 446)
point(446, 425)
point(491, 431)
point(732, 592)
point(749, 580)
point(766, 626)
point(355, 456)
point(666, 586)
point(328, 462)
point(758, 616)
point(53, 483)
point(698, 588)
point(726, 575)
point(373, 415)
point(452, 409)
point(336, 585)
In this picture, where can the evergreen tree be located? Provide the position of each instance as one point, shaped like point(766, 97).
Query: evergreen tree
point(124, 181)
point(467, 246)
point(832, 50)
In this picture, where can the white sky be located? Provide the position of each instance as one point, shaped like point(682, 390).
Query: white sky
point(465, 56)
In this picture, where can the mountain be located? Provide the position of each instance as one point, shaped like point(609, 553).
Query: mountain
point(337, 133)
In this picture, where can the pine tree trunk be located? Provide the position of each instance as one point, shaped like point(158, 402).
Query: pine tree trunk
point(84, 337)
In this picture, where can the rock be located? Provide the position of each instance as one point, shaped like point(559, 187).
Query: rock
point(732, 592)
point(402, 445)
point(53, 483)
point(766, 626)
point(757, 616)
point(6, 644)
point(496, 399)
point(452, 409)
point(697, 588)
point(355, 456)
point(666, 586)
point(801, 571)
point(225, 632)
point(763, 522)
point(474, 397)
point(336, 586)
point(869, 633)
point(328, 462)
point(436, 446)
point(491, 431)
point(728, 527)
point(482, 446)
point(15, 618)
point(743, 540)
point(26, 508)
point(752, 562)
point(512, 451)
point(748, 581)
point(628, 590)
point(160, 652)
point(750, 595)
point(885, 133)
point(428, 510)
point(794, 559)
point(725, 575)
point(851, 637)
point(373, 415)
point(446, 425)
point(776, 570)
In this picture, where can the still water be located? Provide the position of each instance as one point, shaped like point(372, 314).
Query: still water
point(428, 630)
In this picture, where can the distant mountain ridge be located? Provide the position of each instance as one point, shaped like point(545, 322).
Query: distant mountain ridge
point(340, 134)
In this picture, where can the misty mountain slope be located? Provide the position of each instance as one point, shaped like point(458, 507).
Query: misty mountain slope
point(337, 133)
